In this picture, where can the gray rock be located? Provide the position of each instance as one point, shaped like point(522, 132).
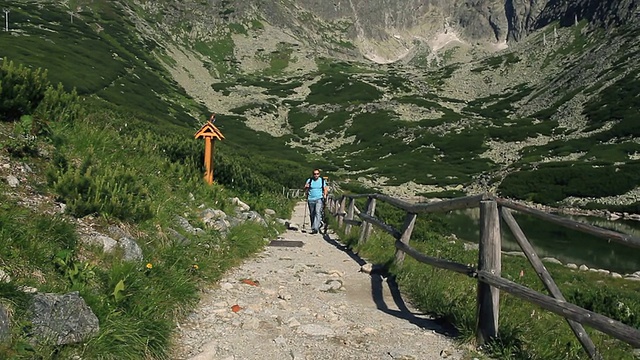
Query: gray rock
point(179, 238)
point(105, 242)
point(552, 260)
point(240, 206)
point(116, 232)
point(131, 249)
point(209, 215)
point(184, 224)
point(5, 324)
point(253, 216)
point(221, 225)
point(62, 319)
point(471, 246)
point(12, 181)
point(315, 330)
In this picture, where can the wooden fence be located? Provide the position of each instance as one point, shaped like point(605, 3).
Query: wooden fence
point(488, 271)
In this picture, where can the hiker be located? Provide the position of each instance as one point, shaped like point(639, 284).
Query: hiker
point(316, 191)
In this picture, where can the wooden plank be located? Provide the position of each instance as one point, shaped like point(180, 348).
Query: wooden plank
point(341, 211)
point(465, 202)
point(625, 239)
point(352, 207)
point(366, 228)
point(599, 322)
point(547, 280)
point(286, 243)
point(438, 206)
point(381, 224)
point(407, 229)
point(437, 262)
point(489, 259)
point(353, 222)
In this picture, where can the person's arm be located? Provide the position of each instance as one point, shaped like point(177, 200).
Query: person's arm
point(306, 189)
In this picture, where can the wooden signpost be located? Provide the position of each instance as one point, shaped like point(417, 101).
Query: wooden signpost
point(209, 132)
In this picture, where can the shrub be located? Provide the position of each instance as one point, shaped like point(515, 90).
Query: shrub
point(90, 189)
point(21, 89)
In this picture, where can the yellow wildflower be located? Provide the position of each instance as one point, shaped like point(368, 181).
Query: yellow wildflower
point(149, 265)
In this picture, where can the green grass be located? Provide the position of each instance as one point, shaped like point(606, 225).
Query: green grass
point(121, 169)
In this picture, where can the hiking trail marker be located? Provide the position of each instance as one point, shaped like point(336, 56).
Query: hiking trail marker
point(210, 133)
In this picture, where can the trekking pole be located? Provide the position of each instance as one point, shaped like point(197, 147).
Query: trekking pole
point(304, 220)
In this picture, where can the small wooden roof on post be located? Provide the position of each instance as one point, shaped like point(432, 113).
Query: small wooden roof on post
point(210, 133)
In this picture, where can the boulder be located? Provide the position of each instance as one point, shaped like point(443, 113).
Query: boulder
point(130, 248)
point(62, 319)
point(5, 324)
point(105, 242)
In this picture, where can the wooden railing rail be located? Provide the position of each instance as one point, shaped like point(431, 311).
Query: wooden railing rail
point(621, 238)
point(488, 271)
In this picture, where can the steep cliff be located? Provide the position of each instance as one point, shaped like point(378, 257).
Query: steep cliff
point(389, 30)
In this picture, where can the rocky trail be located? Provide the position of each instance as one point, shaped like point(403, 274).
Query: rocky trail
point(309, 302)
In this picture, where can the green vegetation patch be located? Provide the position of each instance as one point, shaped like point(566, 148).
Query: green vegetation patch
point(278, 59)
point(498, 105)
point(298, 118)
point(620, 103)
point(220, 52)
point(496, 62)
point(595, 152)
point(520, 129)
point(342, 89)
point(331, 66)
point(553, 182)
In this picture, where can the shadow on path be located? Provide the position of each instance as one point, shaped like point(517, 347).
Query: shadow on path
point(378, 275)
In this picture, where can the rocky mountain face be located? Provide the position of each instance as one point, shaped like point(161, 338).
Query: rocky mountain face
point(388, 30)
point(460, 68)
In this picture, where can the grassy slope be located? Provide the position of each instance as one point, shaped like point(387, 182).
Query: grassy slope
point(132, 151)
point(549, 117)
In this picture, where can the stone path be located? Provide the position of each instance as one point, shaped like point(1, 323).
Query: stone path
point(308, 302)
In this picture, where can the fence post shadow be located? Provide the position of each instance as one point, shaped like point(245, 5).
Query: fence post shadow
point(378, 276)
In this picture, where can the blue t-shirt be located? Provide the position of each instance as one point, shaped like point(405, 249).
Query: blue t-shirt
point(315, 189)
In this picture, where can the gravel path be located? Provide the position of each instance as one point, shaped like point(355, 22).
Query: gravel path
point(308, 302)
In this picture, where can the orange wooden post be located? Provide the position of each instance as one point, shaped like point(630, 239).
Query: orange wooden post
point(210, 133)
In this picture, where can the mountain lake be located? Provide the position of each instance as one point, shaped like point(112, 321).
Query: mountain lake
point(555, 241)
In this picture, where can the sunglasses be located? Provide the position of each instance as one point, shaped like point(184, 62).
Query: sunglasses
point(316, 173)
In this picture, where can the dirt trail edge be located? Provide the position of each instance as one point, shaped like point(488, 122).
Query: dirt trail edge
point(308, 302)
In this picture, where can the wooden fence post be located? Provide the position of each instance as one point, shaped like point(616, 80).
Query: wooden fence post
point(488, 301)
point(352, 208)
point(341, 211)
point(547, 280)
point(407, 229)
point(366, 227)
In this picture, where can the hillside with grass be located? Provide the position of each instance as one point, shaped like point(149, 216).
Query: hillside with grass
point(530, 121)
point(100, 101)
point(102, 191)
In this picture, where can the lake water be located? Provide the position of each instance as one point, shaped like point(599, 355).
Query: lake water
point(566, 245)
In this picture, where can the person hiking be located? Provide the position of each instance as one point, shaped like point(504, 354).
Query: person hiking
point(316, 191)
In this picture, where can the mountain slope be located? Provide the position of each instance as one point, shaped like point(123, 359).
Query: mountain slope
point(438, 97)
